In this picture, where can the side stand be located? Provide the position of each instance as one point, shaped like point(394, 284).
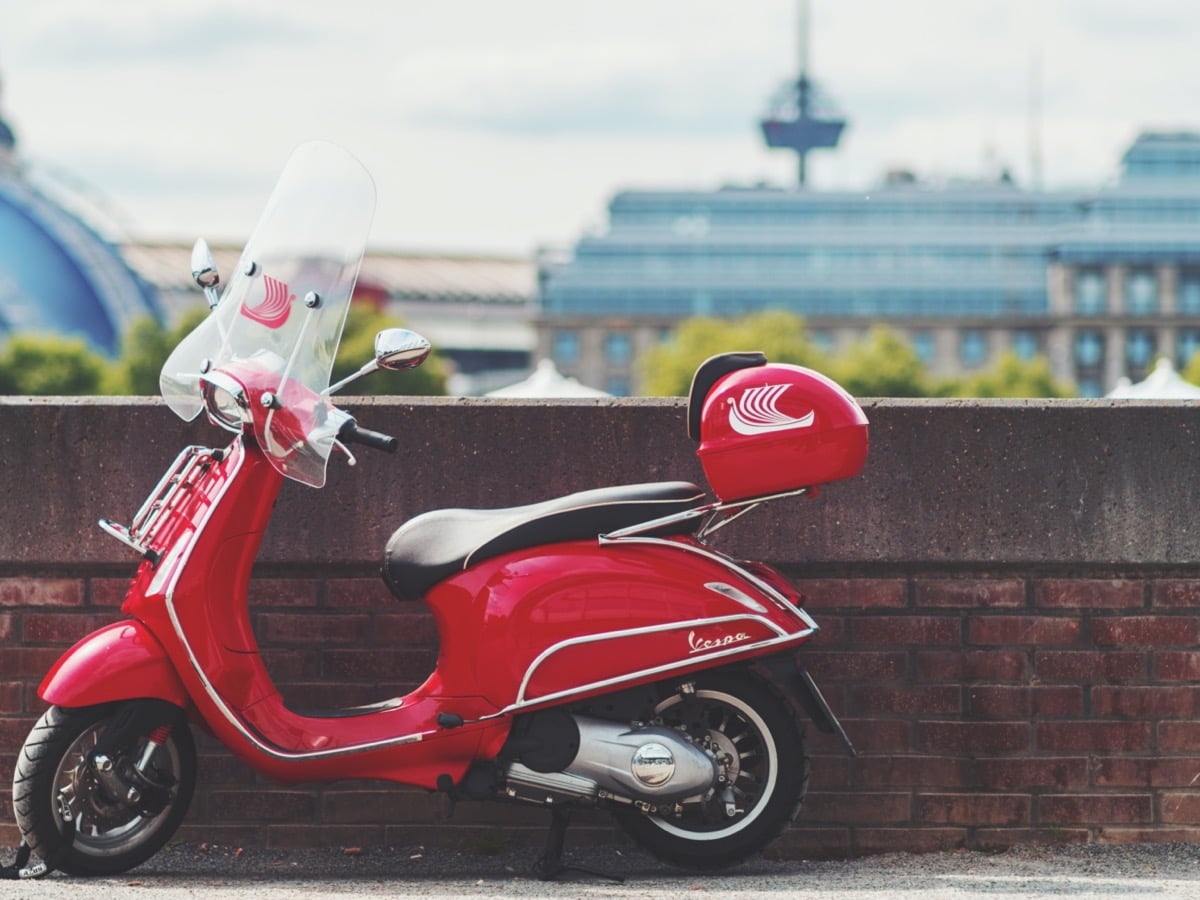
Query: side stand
point(549, 866)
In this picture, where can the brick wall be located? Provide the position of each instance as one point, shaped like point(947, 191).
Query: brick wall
point(1007, 598)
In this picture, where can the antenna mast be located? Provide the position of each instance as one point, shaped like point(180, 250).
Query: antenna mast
point(795, 120)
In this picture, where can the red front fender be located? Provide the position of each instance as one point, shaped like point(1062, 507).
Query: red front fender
point(122, 661)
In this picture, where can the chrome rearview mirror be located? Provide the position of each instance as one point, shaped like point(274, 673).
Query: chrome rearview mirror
point(399, 348)
point(395, 349)
point(204, 272)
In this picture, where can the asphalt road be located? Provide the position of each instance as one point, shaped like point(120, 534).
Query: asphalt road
point(1162, 871)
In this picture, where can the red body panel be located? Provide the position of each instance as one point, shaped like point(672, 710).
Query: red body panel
point(537, 626)
point(122, 661)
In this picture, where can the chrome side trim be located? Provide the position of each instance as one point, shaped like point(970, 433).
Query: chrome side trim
point(777, 598)
point(218, 701)
point(711, 510)
point(636, 632)
point(665, 669)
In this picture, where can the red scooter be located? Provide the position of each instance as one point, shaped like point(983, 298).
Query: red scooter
point(593, 650)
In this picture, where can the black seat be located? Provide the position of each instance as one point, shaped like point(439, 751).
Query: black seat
point(435, 545)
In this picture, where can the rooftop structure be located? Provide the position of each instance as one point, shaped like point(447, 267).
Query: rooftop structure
point(57, 274)
point(801, 118)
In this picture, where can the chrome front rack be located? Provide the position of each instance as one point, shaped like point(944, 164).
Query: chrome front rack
point(178, 481)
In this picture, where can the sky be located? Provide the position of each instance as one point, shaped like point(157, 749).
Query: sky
point(504, 127)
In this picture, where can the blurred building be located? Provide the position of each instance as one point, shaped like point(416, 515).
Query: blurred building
point(58, 275)
point(1101, 282)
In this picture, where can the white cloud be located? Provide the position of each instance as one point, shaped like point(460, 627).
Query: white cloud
point(500, 125)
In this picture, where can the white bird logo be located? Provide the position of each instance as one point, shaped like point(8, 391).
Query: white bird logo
point(756, 411)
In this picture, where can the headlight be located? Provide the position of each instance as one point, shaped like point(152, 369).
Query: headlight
point(225, 401)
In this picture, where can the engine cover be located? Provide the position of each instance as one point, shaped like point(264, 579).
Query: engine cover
point(651, 763)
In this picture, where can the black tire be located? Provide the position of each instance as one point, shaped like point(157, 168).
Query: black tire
point(110, 836)
point(769, 774)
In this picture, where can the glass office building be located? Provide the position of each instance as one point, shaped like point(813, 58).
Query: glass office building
point(1101, 282)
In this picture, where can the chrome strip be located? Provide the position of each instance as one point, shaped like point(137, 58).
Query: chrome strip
point(708, 509)
point(635, 632)
point(778, 598)
point(230, 716)
point(657, 670)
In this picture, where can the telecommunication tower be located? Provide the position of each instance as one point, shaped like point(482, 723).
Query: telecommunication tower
point(800, 118)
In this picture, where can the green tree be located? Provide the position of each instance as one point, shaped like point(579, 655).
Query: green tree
point(881, 364)
point(49, 365)
point(358, 346)
point(666, 370)
point(145, 346)
point(1191, 372)
point(1011, 376)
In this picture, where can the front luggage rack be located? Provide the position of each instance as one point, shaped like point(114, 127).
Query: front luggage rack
point(716, 516)
point(172, 488)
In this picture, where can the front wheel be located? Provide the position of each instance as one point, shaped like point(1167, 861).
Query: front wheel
point(759, 746)
point(123, 809)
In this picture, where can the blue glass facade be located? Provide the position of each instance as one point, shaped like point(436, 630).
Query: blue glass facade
point(969, 256)
point(978, 251)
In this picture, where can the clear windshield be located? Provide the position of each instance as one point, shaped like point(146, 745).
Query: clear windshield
point(282, 312)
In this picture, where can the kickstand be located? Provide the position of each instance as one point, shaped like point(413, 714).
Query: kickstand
point(549, 866)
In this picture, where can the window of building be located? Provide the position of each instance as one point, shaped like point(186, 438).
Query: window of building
point(1140, 344)
point(924, 345)
point(618, 348)
point(1189, 292)
point(1026, 344)
point(821, 339)
point(565, 348)
point(1187, 345)
point(972, 349)
point(1141, 293)
point(617, 386)
point(1089, 349)
point(1091, 291)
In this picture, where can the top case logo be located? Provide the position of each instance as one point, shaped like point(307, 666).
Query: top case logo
point(756, 411)
point(275, 307)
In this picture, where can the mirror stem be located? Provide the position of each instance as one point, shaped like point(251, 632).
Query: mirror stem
point(367, 369)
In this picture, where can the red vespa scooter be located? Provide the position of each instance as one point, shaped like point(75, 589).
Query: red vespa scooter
point(593, 650)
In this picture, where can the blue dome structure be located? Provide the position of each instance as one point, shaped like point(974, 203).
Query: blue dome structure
point(57, 274)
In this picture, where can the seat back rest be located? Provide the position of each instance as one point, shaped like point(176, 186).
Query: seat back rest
point(709, 373)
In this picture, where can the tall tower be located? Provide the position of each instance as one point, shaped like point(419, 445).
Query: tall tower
point(800, 118)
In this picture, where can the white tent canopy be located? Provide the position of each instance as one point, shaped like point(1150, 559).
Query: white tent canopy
point(1164, 383)
point(546, 381)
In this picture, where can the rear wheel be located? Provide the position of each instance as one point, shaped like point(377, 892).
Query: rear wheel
point(114, 829)
point(759, 746)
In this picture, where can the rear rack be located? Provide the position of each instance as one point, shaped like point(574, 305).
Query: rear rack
point(716, 516)
point(172, 488)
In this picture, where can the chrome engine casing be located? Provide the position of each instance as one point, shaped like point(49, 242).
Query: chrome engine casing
point(651, 764)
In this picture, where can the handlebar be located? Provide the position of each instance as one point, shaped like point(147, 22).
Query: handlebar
point(350, 433)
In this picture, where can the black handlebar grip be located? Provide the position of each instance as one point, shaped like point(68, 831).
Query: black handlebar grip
point(351, 433)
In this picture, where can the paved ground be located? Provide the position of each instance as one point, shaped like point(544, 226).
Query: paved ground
point(1163, 872)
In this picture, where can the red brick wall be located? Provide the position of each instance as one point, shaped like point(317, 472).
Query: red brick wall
point(1014, 662)
point(988, 712)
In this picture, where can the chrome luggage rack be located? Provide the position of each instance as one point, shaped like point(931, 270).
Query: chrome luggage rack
point(173, 487)
point(716, 516)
